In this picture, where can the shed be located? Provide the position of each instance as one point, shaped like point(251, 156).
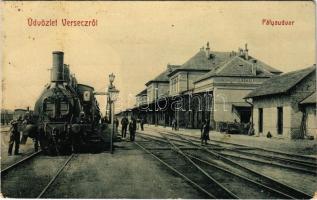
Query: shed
point(277, 103)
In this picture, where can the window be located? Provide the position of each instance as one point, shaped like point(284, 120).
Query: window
point(156, 93)
point(175, 85)
point(49, 108)
point(64, 108)
point(280, 120)
point(260, 120)
point(54, 109)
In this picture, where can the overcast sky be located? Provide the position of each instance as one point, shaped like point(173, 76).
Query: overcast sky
point(136, 40)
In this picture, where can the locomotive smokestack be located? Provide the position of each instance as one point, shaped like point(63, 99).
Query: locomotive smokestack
point(58, 65)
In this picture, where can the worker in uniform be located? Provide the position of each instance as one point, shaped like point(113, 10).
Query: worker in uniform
point(14, 138)
point(142, 124)
point(174, 124)
point(124, 124)
point(205, 132)
point(132, 128)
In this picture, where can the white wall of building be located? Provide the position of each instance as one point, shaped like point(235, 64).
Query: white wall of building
point(224, 98)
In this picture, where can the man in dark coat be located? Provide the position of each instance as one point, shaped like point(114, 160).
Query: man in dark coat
point(124, 124)
point(205, 132)
point(142, 124)
point(132, 129)
point(174, 124)
point(14, 138)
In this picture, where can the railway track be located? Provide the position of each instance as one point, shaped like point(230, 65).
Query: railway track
point(287, 163)
point(201, 180)
point(242, 153)
point(295, 162)
point(271, 153)
point(18, 163)
point(54, 177)
point(248, 173)
point(42, 183)
point(230, 181)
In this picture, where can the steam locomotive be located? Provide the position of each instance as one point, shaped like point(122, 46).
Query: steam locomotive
point(66, 116)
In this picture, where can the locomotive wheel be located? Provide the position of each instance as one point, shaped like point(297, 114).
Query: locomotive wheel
point(49, 148)
point(44, 146)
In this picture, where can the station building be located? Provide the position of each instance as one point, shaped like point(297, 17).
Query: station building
point(227, 83)
point(285, 105)
point(149, 101)
point(211, 85)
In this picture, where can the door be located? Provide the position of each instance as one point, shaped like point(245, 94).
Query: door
point(260, 120)
point(280, 120)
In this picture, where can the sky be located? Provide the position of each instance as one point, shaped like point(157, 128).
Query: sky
point(136, 41)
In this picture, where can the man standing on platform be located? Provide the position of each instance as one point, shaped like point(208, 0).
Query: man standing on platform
point(124, 124)
point(142, 124)
point(205, 132)
point(132, 129)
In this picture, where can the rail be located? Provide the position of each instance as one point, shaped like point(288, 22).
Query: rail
point(7, 169)
point(228, 193)
point(282, 187)
point(55, 176)
point(177, 172)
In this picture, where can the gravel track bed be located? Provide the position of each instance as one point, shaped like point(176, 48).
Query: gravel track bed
point(29, 180)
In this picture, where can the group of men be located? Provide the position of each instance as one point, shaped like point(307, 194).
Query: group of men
point(132, 126)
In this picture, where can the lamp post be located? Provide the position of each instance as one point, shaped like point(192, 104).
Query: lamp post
point(112, 97)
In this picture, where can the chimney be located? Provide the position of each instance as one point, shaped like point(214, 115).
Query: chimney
point(208, 51)
point(169, 68)
point(254, 67)
point(246, 54)
point(58, 65)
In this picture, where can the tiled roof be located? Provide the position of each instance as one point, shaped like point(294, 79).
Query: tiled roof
point(163, 77)
point(281, 83)
point(238, 66)
point(310, 99)
point(200, 61)
point(143, 92)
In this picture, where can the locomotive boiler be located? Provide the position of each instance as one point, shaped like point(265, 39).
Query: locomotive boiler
point(66, 115)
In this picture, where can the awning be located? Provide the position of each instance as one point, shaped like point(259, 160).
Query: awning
point(241, 104)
